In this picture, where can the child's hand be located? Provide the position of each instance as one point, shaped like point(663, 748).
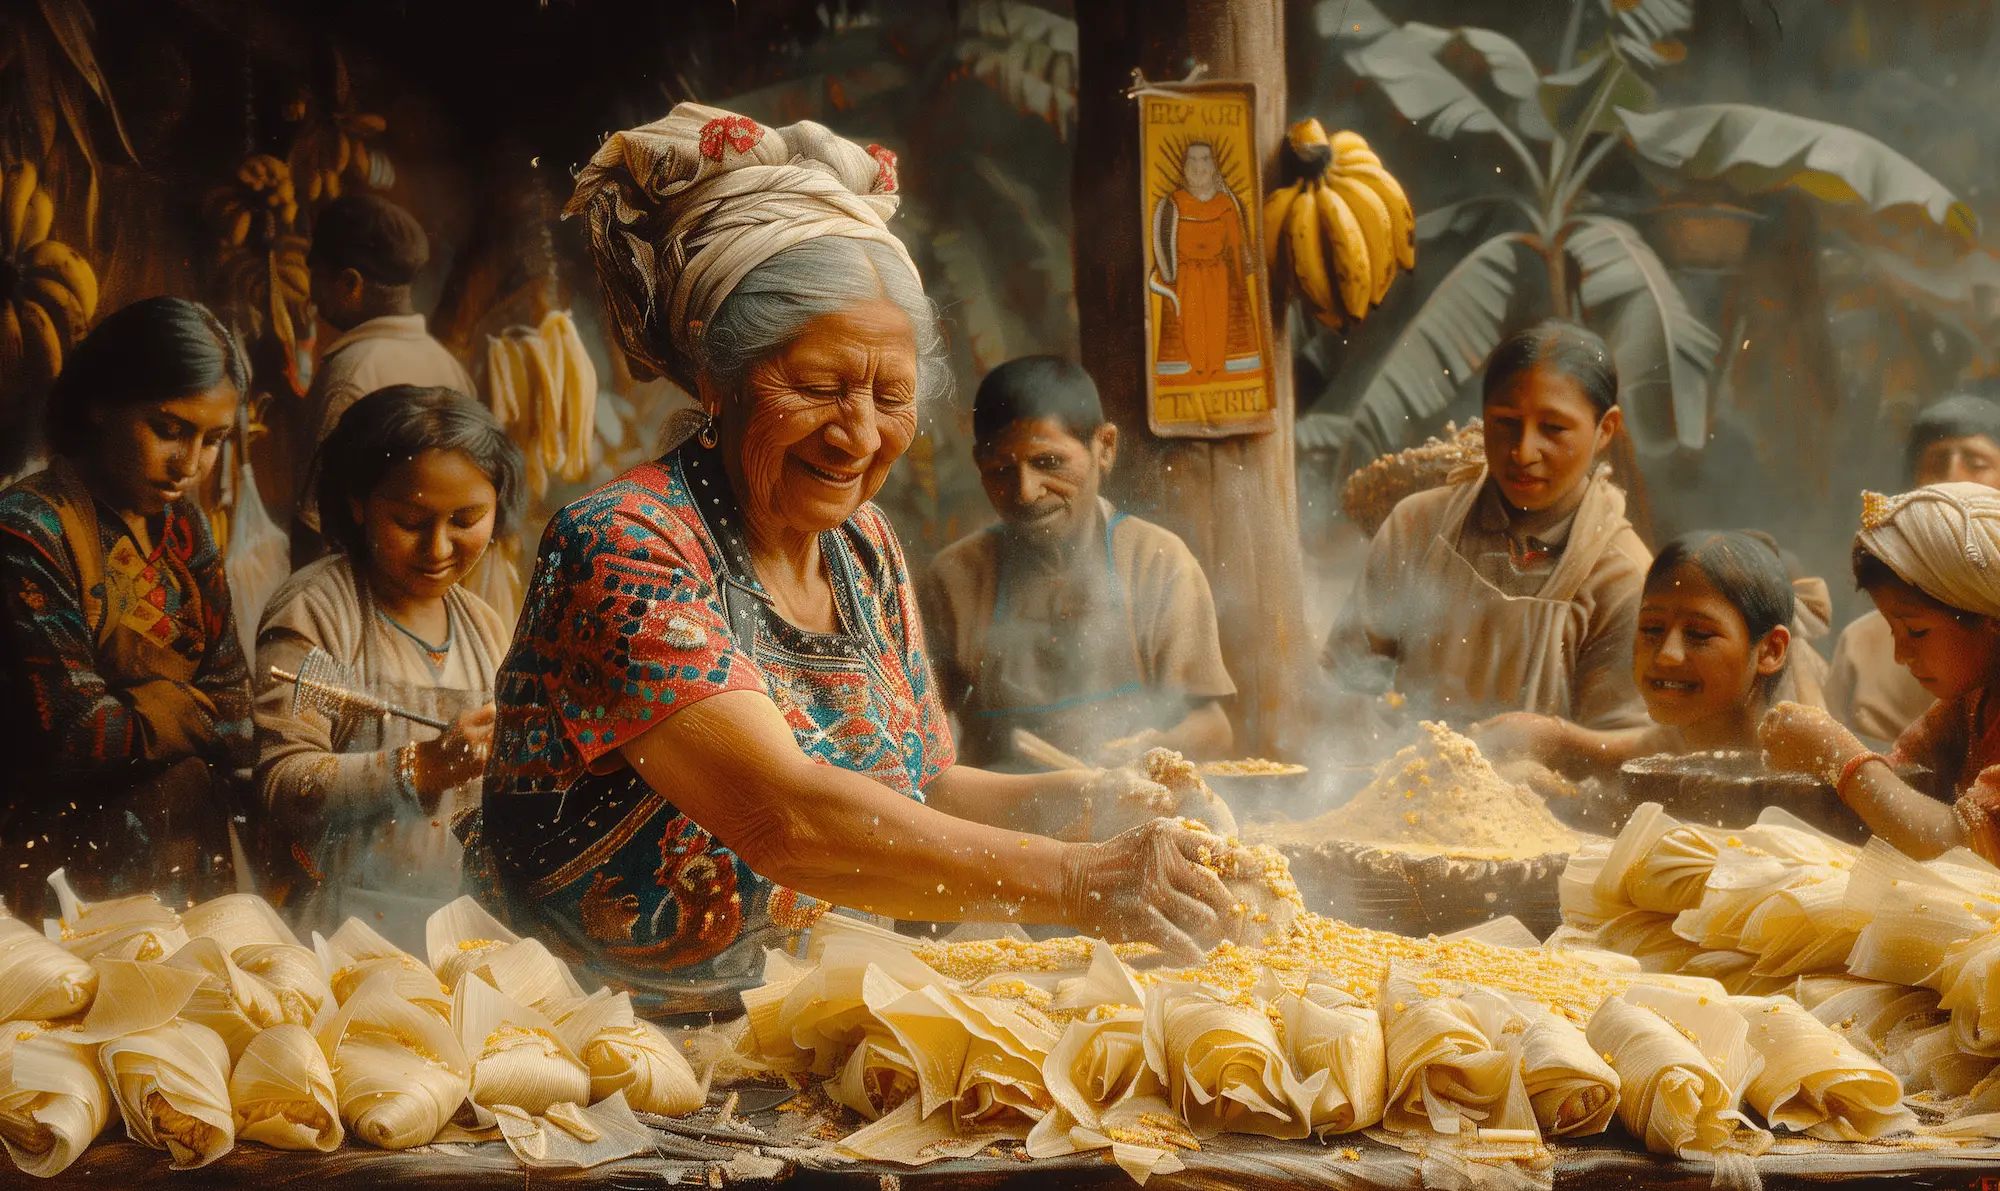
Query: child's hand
point(1801, 739)
point(1517, 734)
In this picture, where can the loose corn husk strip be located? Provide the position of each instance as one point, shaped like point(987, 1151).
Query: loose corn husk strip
point(398, 1069)
point(133, 996)
point(1682, 1061)
point(516, 1056)
point(55, 1101)
point(237, 920)
point(230, 1001)
point(574, 1137)
point(136, 927)
point(1224, 1068)
point(282, 1092)
point(38, 979)
point(294, 974)
point(626, 1054)
point(1813, 1081)
point(458, 935)
point(1336, 1047)
point(172, 1086)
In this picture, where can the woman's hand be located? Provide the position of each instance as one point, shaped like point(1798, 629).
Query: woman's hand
point(455, 758)
point(1801, 739)
point(1519, 734)
point(1117, 800)
point(1127, 749)
point(1148, 885)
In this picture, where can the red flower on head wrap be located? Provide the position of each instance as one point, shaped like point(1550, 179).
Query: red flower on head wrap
point(885, 169)
point(740, 133)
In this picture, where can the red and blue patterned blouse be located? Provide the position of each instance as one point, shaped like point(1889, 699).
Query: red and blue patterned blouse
point(644, 602)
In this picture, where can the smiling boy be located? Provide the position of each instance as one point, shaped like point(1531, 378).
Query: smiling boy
point(1070, 619)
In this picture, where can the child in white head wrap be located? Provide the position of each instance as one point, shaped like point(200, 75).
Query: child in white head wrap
point(1930, 559)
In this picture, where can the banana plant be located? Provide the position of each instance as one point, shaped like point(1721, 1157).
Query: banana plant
point(1560, 128)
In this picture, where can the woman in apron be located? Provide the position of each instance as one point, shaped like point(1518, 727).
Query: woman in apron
point(124, 703)
point(1514, 588)
point(415, 484)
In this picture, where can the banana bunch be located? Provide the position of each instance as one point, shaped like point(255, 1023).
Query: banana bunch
point(542, 386)
point(263, 187)
point(332, 151)
point(1337, 235)
point(48, 292)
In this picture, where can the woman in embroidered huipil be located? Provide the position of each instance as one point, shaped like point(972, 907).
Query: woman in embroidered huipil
point(124, 702)
point(717, 717)
point(413, 485)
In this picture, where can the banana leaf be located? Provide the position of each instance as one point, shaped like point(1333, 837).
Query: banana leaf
point(1566, 97)
point(1345, 21)
point(1509, 66)
point(1756, 149)
point(1647, 30)
point(1421, 88)
point(1446, 341)
point(1663, 352)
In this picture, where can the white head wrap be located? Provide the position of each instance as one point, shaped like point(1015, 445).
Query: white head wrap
point(682, 209)
point(1944, 540)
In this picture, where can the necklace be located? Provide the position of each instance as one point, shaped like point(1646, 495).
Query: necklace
point(436, 654)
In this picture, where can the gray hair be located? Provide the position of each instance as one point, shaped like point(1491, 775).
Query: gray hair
point(768, 309)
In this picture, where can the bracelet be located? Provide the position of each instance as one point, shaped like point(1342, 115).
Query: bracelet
point(405, 761)
point(1853, 767)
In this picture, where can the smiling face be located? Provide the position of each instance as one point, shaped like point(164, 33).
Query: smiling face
point(1043, 480)
point(1542, 436)
point(1945, 654)
point(820, 422)
point(1973, 459)
point(1693, 658)
point(426, 524)
point(147, 455)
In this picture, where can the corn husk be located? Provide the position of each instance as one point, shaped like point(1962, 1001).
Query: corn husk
point(356, 954)
point(572, 1136)
point(398, 1070)
point(810, 1019)
point(1576, 889)
point(1657, 863)
point(237, 920)
point(282, 1093)
point(136, 927)
point(133, 997)
point(1969, 978)
point(906, 1138)
point(626, 1054)
point(38, 979)
point(458, 935)
point(230, 1001)
point(1813, 1081)
point(1867, 1012)
point(1915, 913)
point(295, 975)
point(1572, 1088)
point(981, 1055)
point(1224, 1068)
point(55, 1101)
point(1454, 1060)
point(1105, 1097)
point(172, 1087)
point(1927, 1059)
point(527, 972)
point(1682, 1061)
point(517, 1058)
point(1647, 936)
point(1805, 928)
point(1337, 1050)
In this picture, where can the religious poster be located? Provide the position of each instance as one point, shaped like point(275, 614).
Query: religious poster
point(1208, 323)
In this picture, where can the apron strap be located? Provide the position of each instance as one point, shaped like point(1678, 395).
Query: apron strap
point(1599, 518)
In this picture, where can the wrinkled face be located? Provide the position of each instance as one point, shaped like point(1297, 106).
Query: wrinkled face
point(820, 422)
point(1946, 656)
point(148, 455)
point(427, 523)
point(1542, 436)
point(1974, 459)
point(1043, 480)
point(1692, 658)
point(1199, 168)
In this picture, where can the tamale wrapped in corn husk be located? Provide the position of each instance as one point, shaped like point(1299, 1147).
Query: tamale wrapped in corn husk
point(172, 1087)
point(1224, 1069)
point(1454, 1060)
point(1573, 1089)
point(626, 1053)
point(1682, 1061)
point(357, 954)
point(1106, 1096)
point(1337, 1050)
point(515, 1054)
point(398, 1069)
point(38, 979)
point(136, 927)
point(459, 935)
point(282, 1092)
point(295, 975)
point(1813, 1081)
point(230, 1001)
point(53, 1098)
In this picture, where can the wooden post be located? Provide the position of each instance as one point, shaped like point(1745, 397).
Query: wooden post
point(1234, 501)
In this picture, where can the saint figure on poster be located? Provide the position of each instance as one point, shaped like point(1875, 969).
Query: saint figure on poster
point(1201, 268)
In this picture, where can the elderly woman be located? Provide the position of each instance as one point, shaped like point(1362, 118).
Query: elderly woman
point(717, 717)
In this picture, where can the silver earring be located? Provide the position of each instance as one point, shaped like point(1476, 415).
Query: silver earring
point(707, 433)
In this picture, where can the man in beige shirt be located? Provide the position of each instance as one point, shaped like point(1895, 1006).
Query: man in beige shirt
point(366, 253)
point(1077, 622)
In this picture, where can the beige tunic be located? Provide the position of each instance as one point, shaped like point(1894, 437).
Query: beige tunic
point(1478, 610)
point(1868, 689)
point(328, 789)
point(394, 349)
point(1120, 639)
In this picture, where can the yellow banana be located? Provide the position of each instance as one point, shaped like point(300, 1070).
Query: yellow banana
point(41, 216)
point(42, 345)
point(14, 198)
point(1353, 274)
point(10, 342)
point(59, 304)
point(1350, 149)
point(1373, 219)
point(1275, 209)
point(1306, 135)
point(1402, 219)
point(1309, 267)
point(53, 258)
